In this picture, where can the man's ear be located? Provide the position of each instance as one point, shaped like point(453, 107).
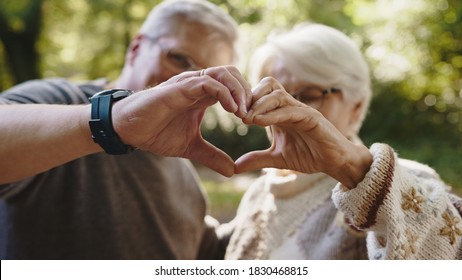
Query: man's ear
point(133, 49)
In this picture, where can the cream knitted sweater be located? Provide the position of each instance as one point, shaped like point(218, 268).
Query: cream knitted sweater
point(401, 210)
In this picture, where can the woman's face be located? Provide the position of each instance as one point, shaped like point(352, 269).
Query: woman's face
point(331, 102)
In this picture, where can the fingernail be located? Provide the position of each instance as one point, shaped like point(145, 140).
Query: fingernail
point(235, 107)
point(243, 109)
point(249, 114)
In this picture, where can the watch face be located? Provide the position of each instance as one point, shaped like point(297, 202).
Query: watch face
point(121, 93)
point(118, 93)
point(104, 92)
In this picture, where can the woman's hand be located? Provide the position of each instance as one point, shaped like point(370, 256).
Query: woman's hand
point(302, 139)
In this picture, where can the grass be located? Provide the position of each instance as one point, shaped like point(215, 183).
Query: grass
point(224, 199)
point(224, 194)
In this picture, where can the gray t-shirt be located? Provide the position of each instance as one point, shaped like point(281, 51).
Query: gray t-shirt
point(136, 206)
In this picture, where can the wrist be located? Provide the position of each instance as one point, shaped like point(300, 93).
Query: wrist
point(84, 132)
point(101, 124)
point(359, 161)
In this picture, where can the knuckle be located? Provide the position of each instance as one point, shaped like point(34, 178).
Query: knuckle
point(232, 68)
point(268, 80)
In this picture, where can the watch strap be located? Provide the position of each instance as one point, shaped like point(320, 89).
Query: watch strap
point(100, 124)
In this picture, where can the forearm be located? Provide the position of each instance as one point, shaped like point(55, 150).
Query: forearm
point(35, 138)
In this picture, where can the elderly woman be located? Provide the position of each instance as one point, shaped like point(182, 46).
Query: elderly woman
point(331, 197)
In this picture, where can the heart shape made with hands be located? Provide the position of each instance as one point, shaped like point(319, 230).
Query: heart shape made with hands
point(213, 153)
point(177, 130)
point(275, 153)
point(302, 138)
point(263, 154)
point(269, 104)
point(235, 143)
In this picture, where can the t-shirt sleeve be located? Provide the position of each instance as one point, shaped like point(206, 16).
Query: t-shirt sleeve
point(50, 91)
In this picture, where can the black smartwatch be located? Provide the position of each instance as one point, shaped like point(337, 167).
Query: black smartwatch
point(101, 121)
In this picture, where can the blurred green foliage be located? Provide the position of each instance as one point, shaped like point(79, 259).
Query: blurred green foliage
point(414, 49)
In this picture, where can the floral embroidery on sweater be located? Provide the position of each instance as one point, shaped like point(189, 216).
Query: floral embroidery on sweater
point(409, 247)
point(451, 229)
point(412, 201)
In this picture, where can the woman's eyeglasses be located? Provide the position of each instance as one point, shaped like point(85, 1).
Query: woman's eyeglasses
point(313, 95)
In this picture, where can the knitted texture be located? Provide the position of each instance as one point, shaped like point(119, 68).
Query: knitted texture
point(279, 210)
point(405, 207)
point(402, 206)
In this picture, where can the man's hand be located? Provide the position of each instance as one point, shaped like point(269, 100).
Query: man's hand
point(165, 120)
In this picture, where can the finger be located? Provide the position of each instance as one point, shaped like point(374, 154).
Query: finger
point(228, 76)
point(291, 116)
point(182, 76)
point(222, 94)
point(253, 161)
point(270, 102)
point(185, 91)
point(247, 90)
point(205, 86)
point(264, 87)
point(238, 87)
point(212, 157)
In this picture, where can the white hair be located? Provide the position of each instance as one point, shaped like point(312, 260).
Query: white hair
point(322, 55)
point(163, 17)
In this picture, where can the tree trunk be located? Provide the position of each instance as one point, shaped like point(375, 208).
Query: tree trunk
point(20, 42)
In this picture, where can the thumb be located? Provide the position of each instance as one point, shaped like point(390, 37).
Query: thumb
point(254, 160)
point(212, 157)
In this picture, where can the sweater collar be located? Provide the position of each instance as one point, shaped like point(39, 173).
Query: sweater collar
point(283, 183)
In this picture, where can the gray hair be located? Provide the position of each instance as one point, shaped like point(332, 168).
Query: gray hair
point(162, 18)
point(319, 54)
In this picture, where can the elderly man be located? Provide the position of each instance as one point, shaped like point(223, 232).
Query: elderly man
point(63, 198)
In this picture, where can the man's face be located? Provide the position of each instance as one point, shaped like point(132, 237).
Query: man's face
point(190, 48)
